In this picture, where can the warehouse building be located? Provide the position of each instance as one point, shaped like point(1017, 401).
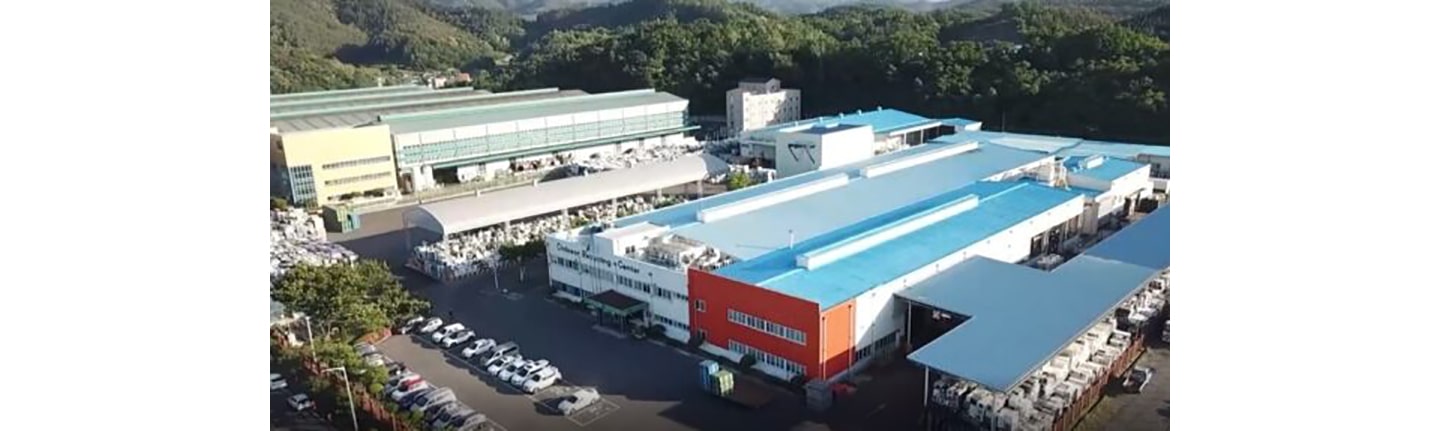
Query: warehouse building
point(1067, 331)
point(329, 147)
point(457, 217)
point(482, 141)
point(890, 129)
point(1158, 156)
point(803, 272)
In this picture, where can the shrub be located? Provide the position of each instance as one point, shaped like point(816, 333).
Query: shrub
point(747, 361)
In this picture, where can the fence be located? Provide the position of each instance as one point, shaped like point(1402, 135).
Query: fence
point(364, 401)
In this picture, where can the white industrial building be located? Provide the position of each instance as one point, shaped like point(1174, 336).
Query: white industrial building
point(891, 130)
point(777, 269)
point(760, 102)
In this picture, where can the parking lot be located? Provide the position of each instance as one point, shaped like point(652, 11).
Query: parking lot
point(651, 386)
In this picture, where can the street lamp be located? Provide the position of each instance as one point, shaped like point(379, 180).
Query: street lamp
point(348, 393)
point(310, 338)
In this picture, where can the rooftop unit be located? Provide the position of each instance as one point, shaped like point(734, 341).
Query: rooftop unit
point(916, 160)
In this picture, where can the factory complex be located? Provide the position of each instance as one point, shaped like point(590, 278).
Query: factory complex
point(980, 260)
point(364, 146)
point(1021, 272)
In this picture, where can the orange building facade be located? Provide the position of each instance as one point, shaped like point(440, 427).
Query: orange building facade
point(735, 316)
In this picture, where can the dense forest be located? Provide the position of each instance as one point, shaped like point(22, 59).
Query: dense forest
point(1100, 70)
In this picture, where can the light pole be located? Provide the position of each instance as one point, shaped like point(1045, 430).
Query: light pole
point(348, 393)
point(310, 338)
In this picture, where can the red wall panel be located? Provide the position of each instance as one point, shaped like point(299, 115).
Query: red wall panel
point(720, 294)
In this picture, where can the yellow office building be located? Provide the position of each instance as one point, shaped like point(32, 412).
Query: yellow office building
point(333, 166)
point(330, 147)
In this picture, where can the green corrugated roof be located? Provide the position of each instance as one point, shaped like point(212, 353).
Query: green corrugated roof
point(461, 117)
point(341, 94)
point(381, 106)
point(277, 107)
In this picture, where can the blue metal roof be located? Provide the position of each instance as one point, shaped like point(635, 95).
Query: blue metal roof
point(882, 120)
point(1109, 170)
point(958, 122)
point(825, 130)
point(1144, 243)
point(765, 230)
point(1058, 145)
point(1114, 149)
point(1002, 205)
point(1020, 317)
point(1036, 143)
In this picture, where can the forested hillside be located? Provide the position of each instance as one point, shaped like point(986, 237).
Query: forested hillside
point(1024, 67)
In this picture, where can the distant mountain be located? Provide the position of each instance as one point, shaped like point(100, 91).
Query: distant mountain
point(1113, 8)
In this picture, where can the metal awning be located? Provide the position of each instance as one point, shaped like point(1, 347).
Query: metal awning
point(616, 303)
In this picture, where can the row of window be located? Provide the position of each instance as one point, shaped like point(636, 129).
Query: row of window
point(793, 335)
point(357, 162)
point(670, 322)
point(764, 357)
point(879, 346)
point(302, 184)
point(492, 144)
point(636, 284)
point(358, 178)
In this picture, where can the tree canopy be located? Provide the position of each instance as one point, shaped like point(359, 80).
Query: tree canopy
point(1026, 67)
point(347, 300)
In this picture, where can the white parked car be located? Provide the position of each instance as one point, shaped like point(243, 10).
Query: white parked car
point(301, 402)
point(411, 324)
point(480, 346)
point(434, 398)
point(447, 331)
point(579, 400)
point(540, 380)
point(277, 382)
point(497, 364)
point(504, 349)
point(366, 349)
point(457, 338)
point(431, 325)
point(471, 422)
point(406, 389)
point(524, 372)
point(510, 370)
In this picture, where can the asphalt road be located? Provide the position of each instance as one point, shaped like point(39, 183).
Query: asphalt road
point(652, 386)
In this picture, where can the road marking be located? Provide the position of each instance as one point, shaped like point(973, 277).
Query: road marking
point(542, 403)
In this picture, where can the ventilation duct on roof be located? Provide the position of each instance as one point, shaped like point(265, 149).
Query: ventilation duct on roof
point(747, 205)
point(919, 159)
point(887, 232)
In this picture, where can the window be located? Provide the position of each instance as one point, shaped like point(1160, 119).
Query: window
point(767, 358)
point(356, 179)
point(671, 323)
point(793, 335)
point(700, 305)
point(357, 162)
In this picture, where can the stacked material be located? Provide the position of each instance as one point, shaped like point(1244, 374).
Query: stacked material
point(632, 158)
point(722, 383)
point(1139, 309)
point(471, 254)
point(1038, 401)
point(708, 368)
point(299, 238)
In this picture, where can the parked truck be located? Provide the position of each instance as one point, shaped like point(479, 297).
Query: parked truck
point(724, 384)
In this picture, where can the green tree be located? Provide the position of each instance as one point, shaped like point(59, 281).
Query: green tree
point(738, 180)
point(277, 203)
point(347, 300)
